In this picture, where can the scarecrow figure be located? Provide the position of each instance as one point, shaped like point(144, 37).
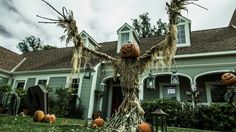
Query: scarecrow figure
point(129, 66)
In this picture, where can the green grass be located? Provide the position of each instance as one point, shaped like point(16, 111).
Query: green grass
point(26, 124)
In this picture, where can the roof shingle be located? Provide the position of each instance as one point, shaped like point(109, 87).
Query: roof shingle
point(9, 59)
point(211, 40)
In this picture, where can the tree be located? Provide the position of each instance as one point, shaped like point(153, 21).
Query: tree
point(130, 113)
point(144, 29)
point(48, 47)
point(32, 43)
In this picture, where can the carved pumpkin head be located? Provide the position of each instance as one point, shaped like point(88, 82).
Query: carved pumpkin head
point(228, 78)
point(129, 50)
point(144, 127)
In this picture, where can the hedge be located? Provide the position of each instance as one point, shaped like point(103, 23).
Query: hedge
point(220, 117)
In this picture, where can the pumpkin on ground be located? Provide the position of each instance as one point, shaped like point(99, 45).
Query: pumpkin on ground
point(99, 122)
point(129, 50)
point(144, 127)
point(53, 118)
point(228, 78)
point(49, 118)
point(38, 115)
point(94, 125)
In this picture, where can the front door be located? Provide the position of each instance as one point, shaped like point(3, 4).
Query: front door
point(117, 98)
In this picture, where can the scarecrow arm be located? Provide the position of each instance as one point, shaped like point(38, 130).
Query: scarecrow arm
point(167, 48)
point(100, 54)
point(149, 55)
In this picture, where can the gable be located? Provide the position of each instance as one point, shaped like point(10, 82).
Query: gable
point(8, 59)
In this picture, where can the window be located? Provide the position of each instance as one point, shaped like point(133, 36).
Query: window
point(217, 93)
point(42, 82)
point(181, 38)
point(20, 84)
point(84, 41)
point(169, 92)
point(124, 38)
point(75, 85)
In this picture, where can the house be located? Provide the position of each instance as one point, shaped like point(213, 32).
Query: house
point(202, 57)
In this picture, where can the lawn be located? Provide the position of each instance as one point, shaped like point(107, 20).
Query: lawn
point(26, 124)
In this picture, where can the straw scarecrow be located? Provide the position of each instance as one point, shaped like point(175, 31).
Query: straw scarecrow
point(129, 67)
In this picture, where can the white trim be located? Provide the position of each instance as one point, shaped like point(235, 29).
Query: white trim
point(208, 72)
point(93, 87)
point(18, 65)
point(106, 78)
point(208, 91)
point(39, 71)
point(2, 70)
point(206, 54)
point(81, 75)
point(89, 37)
point(233, 26)
point(141, 89)
point(17, 81)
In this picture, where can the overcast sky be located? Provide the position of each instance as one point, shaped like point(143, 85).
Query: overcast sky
point(100, 18)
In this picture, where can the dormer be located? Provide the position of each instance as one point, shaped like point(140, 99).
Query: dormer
point(233, 20)
point(126, 34)
point(88, 41)
point(183, 35)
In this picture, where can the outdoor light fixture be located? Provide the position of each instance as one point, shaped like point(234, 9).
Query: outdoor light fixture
point(103, 86)
point(174, 78)
point(150, 81)
point(88, 70)
point(159, 121)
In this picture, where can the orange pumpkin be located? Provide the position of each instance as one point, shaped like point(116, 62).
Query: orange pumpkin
point(228, 78)
point(38, 115)
point(144, 127)
point(129, 50)
point(53, 118)
point(99, 121)
point(94, 125)
point(47, 118)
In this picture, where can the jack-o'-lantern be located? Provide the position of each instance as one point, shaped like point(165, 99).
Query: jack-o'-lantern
point(129, 50)
point(228, 78)
point(144, 127)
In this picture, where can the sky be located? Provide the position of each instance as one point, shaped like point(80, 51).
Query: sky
point(99, 18)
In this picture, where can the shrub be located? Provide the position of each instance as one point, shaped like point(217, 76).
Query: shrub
point(221, 117)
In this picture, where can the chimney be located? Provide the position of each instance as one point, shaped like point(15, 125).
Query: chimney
point(233, 19)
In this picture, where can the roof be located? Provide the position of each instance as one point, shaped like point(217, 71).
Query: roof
point(9, 59)
point(59, 58)
point(211, 40)
point(203, 41)
point(233, 19)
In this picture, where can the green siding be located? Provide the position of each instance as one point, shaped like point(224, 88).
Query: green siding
point(30, 82)
point(57, 82)
point(85, 95)
point(3, 81)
